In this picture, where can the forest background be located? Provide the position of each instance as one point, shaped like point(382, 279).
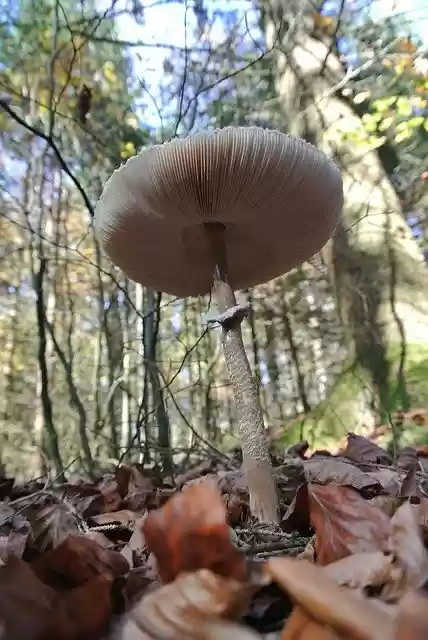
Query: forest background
point(95, 369)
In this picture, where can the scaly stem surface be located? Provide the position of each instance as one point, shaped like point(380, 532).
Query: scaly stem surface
point(255, 452)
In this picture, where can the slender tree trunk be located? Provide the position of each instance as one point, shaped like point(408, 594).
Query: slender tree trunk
point(46, 401)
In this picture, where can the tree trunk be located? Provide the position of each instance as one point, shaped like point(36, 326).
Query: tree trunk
point(379, 276)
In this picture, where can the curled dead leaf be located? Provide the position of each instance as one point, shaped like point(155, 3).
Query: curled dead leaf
point(412, 618)
point(389, 575)
point(329, 470)
point(14, 532)
point(186, 607)
point(296, 517)
point(300, 625)
point(408, 459)
point(406, 546)
point(76, 561)
point(365, 572)
point(329, 604)
point(51, 524)
point(84, 612)
point(359, 449)
point(26, 604)
point(345, 523)
point(190, 532)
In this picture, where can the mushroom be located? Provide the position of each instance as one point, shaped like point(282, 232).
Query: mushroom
point(217, 212)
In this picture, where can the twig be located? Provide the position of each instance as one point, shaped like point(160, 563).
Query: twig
point(53, 146)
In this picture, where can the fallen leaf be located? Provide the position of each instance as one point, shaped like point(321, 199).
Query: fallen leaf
point(76, 561)
point(308, 552)
point(13, 544)
point(408, 458)
point(406, 545)
point(390, 480)
point(296, 517)
point(136, 542)
point(345, 523)
point(300, 625)
point(365, 572)
point(14, 532)
point(298, 450)
point(327, 603)
point(111, 493)
point(140, 488)
point(388, 504)
point(51, 524)
point(26, 604)
point(410, 485)
point(213, 630)
point(183, 608)
point(328, 470)
point(190, 532)
point(421, 511)
point(359, 449)
point(100, 539)
point(412, 617)
point(84, 498)
point(140, 580)
point(85, 610)
point(202, 469)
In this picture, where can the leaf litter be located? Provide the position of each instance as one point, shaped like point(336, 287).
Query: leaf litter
point(134, 556)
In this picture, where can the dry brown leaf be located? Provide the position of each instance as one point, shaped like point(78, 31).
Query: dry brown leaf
point(140, 488)
point(362, 571)
point(359, 449)
point(202, 469)
point(26, 604)
point(388, 504)
point(308, 552)
point(136, 542)
point(84, 498)
point(390, 575)
point(111, 493)
point(76, 561)
point(329, 604)
point(14, 532)
point(390, 480)
point(186, 607)
point(421, 513)
point(51, 524)
point(412, 618)
point(345, 523)
point(296, 517)
point(328, 470)
point(213, 630)
point(406, 546)
point(408, 458)
point(190, 532)
point(84, 612)
point(300, 626)
point(100, 538)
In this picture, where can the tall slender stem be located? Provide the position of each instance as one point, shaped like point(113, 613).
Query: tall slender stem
point(255, 452)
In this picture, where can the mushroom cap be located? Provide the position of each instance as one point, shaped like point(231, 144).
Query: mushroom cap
point(278, 197)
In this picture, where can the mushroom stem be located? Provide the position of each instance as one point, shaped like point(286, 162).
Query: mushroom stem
point(255, 451)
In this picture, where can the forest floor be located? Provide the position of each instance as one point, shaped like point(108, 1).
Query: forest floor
point(137, 556)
